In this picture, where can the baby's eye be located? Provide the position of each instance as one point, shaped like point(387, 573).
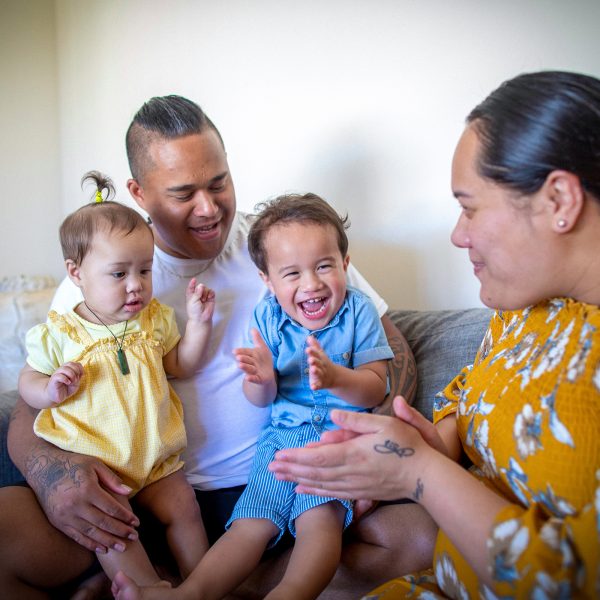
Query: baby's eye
point(290, 274)
point(325, 267)
point(146, 271)
point(118, 274)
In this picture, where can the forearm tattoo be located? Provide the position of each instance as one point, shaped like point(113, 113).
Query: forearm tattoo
point(47, 472)
point(402, 369)
point(389, 447)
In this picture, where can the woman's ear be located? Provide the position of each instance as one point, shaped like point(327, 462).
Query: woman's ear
point(73, 272)
point(567, 197)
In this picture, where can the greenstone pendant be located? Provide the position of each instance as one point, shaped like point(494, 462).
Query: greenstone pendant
point(123, 362)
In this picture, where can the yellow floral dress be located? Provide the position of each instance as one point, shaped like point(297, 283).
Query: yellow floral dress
point(133, 422)
point(528, 417)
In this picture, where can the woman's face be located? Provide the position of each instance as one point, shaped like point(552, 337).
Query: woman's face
point(506, 235)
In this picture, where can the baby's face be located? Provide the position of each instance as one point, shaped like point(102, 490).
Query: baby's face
point(115, 276)
point(306, 272)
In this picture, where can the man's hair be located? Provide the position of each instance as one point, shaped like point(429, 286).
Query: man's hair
point(293, 208)
point(162, 117)
point(78, 229)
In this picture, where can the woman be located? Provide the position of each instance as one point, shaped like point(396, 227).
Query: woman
point(524, 520)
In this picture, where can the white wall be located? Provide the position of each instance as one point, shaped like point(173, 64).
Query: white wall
point(361, 101)
point(29, 159)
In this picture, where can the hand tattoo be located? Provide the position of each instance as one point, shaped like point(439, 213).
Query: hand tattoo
point(418, 493)
point(389, 447)
point(46, 473)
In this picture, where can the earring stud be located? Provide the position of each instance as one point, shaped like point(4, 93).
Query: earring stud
point(561, 223)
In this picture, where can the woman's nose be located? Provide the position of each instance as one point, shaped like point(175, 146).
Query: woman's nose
point(460, 235)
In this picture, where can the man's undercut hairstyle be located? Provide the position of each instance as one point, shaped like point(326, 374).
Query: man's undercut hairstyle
point(162, 117)
point(537, 123)
point(288, 209)
point(78, 229)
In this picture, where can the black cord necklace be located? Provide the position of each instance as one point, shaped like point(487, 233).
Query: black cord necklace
point(120, 352)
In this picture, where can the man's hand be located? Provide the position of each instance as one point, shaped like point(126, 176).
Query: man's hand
point(76, 493)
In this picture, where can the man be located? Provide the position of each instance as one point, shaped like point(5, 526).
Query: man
point(181, 178)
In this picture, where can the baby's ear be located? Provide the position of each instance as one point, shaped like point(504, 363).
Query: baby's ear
point(73, 272)
point(267, 281)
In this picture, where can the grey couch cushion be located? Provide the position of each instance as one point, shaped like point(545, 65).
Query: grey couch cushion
point(8, 472)
point(443, 342)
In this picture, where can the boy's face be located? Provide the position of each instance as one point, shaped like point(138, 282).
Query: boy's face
point(306, 271)
point(115, 276)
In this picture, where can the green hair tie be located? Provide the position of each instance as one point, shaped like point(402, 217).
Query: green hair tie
point(99, 196)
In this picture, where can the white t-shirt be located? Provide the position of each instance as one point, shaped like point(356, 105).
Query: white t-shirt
point(222, 426)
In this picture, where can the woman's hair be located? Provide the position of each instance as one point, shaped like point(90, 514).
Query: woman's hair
point(293, 208)
point(78, 229)
point(539, 122)
point(162, 117)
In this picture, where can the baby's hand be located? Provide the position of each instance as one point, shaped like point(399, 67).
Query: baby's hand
point(200, 301)
point(320, 367)
point(64, 382)
point(256, 362)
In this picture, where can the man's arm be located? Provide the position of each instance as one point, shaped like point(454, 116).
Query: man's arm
point(71, 488)
point(402, 368)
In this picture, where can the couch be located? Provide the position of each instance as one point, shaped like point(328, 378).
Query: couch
point(442, 342)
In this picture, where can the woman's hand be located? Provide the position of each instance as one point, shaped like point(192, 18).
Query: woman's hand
point(370, 457)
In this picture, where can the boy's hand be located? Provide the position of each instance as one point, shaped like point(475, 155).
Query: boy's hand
point(321, 369)
point(64, 382)
point(256, 362)
point(200, 301)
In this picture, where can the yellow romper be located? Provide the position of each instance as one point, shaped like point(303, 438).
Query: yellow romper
point(528, 417)
point(134, 422)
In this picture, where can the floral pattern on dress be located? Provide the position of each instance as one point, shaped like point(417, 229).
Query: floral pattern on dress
point(528, 417)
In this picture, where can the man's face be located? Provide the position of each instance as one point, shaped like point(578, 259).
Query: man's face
point(188, 192)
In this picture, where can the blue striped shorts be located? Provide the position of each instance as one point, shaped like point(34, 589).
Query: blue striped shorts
point(267, 498)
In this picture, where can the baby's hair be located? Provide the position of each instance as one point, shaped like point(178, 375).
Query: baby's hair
point(78, 229)
point(293, 208)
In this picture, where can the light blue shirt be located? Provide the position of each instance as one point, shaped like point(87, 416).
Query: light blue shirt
point(353, 337)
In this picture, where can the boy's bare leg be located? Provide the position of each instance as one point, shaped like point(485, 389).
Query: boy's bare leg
point(34, 555)
point(133, 560)
point(393, 540)
point(228, 562)
point(316, 553)
point(173, 502)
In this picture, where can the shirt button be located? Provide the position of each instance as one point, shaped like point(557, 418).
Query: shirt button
point(317, 418)
point(346, 355)
point(306, 371)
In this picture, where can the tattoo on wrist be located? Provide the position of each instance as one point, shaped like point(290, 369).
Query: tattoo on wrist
point(418, 493)
point(46, 473)
point(389, 447)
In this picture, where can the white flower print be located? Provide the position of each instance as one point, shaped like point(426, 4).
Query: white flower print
point(447, 578)
point(547, 588)
point(527, 431)
point(576, 365)
point(506, 544)
point(486, 453)
point(517, 480)
point(553, 351)
point(559, 431)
